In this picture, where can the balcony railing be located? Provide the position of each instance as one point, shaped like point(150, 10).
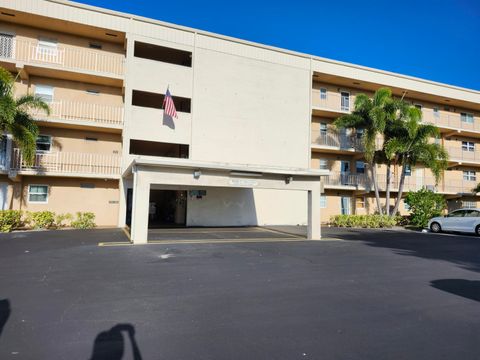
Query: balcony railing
point(64, 56)
point(97, 114)
point(333, 101)
point(459, 154)
point(333, 139)
point(69, 163)
point(451, 120)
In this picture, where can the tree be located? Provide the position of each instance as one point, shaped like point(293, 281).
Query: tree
point(370, 115)
point(410, 143)
point(424, 205)
point(16, 118)
point(476, 189)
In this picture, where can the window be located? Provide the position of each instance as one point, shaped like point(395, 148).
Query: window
point(360, 166)
point(323, 201)
point(437, 140)
point(87, 185)
point(154, 148)
point(45, 92)
point(468, 146)
point(418, 106)
point(359, 133)
point(90, 139)
point(323, 164)
point(408, 170)
point(466, 118)
point(436, 112)
point(323, 94)
point(92, 92)
point(406, 206)
point(471, 213)
point(457, 213)
point(47, 50)
point(38, 194)
point(360, 202)
point(469, 204)
point(469, 175)
point(154, 100)
point(345, 101)
point(7, 45)
point(44, 143)
point(94, 45)
point(163, 54)
point(323, 129)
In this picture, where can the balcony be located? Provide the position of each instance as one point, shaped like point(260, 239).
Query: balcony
point(68, 164)
point(444, 119)
point(326, 140)
point(331, 103)
point(61, 57)
point(87, 114)
point(461, 156)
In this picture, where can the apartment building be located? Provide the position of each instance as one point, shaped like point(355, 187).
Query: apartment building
point(253, 143)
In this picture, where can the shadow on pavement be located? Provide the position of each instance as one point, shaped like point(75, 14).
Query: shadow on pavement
point(460, 250)
point(469, 289)
point(4, 313)
point(110, 344)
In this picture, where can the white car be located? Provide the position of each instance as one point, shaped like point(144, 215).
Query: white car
point(462, 220)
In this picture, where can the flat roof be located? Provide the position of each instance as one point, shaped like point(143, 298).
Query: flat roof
point(268, 47)
point(220, 166)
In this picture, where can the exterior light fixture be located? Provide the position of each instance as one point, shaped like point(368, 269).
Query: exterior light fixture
point(288, 179)
point(196, 174)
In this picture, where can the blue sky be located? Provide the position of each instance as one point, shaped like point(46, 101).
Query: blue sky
point(433, 39)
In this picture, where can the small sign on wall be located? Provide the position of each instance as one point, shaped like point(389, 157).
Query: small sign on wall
point(197, 193)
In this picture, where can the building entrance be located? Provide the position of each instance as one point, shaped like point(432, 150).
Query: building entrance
point(167, 208)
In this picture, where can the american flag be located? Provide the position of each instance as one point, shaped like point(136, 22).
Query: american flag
point(169, 106)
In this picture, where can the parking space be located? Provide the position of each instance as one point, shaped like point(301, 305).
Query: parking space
point(221, 234)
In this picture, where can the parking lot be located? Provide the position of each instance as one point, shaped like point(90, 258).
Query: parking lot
point(365, 294)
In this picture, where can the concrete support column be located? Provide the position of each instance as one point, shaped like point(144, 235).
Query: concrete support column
point(141, 198)
point(314, 227)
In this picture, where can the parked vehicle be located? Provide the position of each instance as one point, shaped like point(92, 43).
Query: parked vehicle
point(462, 220)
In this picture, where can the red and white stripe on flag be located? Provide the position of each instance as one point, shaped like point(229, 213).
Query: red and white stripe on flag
point(169, 106)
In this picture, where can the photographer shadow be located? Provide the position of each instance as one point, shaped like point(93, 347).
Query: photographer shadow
point(110, 344)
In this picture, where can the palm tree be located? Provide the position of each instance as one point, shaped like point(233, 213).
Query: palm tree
point(16, 118)
point(370, 115)
point(410, 143)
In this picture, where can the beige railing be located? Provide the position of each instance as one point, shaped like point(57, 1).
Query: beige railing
point(457, 153)
point(65, 56)
point(451, 120)
point(78, 111)
point(333, 139)
point(69, 163)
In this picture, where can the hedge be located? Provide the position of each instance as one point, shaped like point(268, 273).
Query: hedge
point(366, 221)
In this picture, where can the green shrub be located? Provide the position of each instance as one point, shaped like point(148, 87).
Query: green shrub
point(41, 219)
point(364, 221)
point(84, 220)
point(424, 204)
point(62, 220)
point(10, 220)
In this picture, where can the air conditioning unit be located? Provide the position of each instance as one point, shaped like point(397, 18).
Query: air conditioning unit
point(430, 187)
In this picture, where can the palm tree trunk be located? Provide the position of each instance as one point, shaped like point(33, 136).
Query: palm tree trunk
point(400, 189)
point(387, 189)
point(375, 186)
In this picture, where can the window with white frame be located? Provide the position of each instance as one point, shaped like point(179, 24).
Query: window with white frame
point(323, 201)
point(47, 49)
point(469, 175)
point(359, 132)
point(408, 170)
point(360, 202)
point(45, 92)
point(345, 101)
point(44, 143)
point(360, 167)
point(466, 118)
point(406, 206)
point(323, 129)
point(323, 94)
point(468, 146)
point(469, 204)
point(7, 45)
point(38, 194)
point(323, 164)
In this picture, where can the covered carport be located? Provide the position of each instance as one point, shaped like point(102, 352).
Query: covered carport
point(183, 174)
